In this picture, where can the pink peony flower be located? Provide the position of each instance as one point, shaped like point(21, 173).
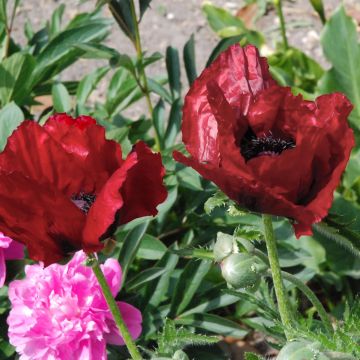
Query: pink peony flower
point(59, 312)
point(9, 250)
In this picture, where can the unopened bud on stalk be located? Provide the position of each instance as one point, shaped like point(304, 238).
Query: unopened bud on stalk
point(243, 270)
point(223, 247)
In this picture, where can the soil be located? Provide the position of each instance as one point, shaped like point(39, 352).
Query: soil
point(171, 22)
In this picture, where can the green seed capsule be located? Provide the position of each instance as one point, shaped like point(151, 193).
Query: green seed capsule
point(242, 270)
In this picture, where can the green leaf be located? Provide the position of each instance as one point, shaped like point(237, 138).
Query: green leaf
point(252, 356)
point(217, 200)
point(151, 248)
point(94, 50)
point(15, 77)
point(55, 24)
point(189, 178)
point(344, 56)
point(319, 8)
point(187, 285)
point(130, 247)
point(3, 15)
point(222, 46)
point(214, 323)
point(173, 69)
point(155, 292)
point(159, 120)
point(61, 51)
point(121, 11)
point(157, 88)
point(144, 4)
point(174, 123)
point(189, 60)
point(220, 18)
point(89, 83)
point(10, 118)
point(61, 98)
point(142, 278)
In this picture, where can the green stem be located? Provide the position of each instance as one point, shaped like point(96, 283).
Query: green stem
point(281, 296)
point(114, 308)
point(312, 297)
point(278, 6)
point(143, 79)
point(304, 288)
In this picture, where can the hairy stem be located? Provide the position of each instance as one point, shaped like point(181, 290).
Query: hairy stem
point(281, 296)
point(134, 352)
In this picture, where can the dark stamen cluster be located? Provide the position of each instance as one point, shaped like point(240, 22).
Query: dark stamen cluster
point(84, 201)
point(252, 146)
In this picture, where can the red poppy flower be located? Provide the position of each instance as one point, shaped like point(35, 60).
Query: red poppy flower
point(267, 149)
point(64, 187)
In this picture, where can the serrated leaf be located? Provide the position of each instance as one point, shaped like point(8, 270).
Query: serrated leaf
point(217, 200)
point(61, 98)
point(10, 118)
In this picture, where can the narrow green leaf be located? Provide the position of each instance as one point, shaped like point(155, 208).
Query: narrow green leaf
point(130, 247)
point(159, 120)
point(14, 77)
point(10, 118)
point(216, 324)
point(60, 52)
point(55, 24)
point(189, 60)
point(344, 57)
point(61, 98)
point(319, 8)
point(156, 291)
point(151, 248)
point(144, 4)
point(142, 278)
point(189, 178)
point(173, 69)
point(89, 83)
point(94, 50)
point(157, 88)
point(222, 46)
point(187, 285)
point(3, 15)
point(121, 11)
point(174, 123)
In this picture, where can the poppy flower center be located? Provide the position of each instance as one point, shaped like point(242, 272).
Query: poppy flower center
point(252, 146)
point(83, 201)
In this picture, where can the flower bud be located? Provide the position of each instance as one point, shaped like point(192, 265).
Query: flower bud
point(300, 350)
point(223, 247)
point(242, 270)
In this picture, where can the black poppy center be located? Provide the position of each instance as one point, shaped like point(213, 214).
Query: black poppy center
point(252, 146)
point(83, 201)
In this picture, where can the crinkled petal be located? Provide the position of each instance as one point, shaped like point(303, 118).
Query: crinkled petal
point(40, 217)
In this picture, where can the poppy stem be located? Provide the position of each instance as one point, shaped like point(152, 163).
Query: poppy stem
point(142, 82)
point(134, 352)
point(278, 6)
point(281, 295)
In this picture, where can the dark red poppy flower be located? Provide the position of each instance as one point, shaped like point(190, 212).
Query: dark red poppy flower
point(267, 149)
point(64, 187)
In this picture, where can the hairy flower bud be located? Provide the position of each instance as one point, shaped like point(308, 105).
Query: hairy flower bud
point(242, 270)
point(223, 247)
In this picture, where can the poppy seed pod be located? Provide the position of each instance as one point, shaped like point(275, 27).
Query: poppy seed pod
point(242, 270)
